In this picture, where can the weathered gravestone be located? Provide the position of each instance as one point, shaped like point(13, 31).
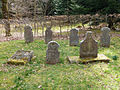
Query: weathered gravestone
point(28, 34)
point(105, 37)
point(74, 38)
point(52, 53)
point(88, 47)
point(48, 35)
point(21, 57)
point(88, 51)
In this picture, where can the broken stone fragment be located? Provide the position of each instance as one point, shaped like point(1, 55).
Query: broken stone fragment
point(21, 57)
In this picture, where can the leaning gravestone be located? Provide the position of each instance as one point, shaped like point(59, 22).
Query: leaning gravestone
point(48, 35)
point(88, 47)
point(28, 34)
point(105, 37)
point(88, 51)
point(21, 57)
point(52, 53)
point(74, 38)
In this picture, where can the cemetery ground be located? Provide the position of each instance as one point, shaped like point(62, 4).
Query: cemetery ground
point(39, 75)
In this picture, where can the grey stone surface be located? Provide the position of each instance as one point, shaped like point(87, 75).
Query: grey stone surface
point(77, 60)
point(52, 53)
point(88, 47)
point(24, 55)
point(48, 35)
point(105, 37)
point(74, 38)
point(28, 34)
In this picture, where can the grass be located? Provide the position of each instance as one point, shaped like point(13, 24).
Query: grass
point(40, 76)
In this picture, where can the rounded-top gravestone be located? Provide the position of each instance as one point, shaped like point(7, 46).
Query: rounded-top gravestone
point(52, 53)
point(74, 38)
point(48, 35)
point(105, 37)
point(28, 34)
point(88, 47)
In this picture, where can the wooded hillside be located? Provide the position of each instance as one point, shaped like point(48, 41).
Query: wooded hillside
point(61, 7)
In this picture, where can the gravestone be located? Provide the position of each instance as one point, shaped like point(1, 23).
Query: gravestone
point(48, 35)
point(28, 34)
point(21, 57)
point(74, 38)
point(52, 53)
point(88, 47)
point(88, 52)
point(105, 37)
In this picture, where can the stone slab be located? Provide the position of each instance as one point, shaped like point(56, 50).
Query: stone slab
point(76, 59)
point(19, 61)
point(21, 57)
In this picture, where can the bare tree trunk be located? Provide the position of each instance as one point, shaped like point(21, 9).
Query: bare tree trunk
point(6, 16)
point(37, 28)
point(42, 28)
point(35, 20)
point(7, 28)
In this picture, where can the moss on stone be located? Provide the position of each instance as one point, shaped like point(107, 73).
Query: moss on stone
point(77, 59)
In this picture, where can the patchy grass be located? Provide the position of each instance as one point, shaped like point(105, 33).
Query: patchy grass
point(38, 75)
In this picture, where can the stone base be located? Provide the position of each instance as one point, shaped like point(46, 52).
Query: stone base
point(76, 59)
point(74, 44)
point(16, 62)
point(19, 61)
point(52, 63)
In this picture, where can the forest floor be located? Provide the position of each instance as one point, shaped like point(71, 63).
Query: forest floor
point(40, 76)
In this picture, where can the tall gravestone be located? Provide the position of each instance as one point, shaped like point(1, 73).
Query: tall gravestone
point(74, 38)
point(105, 37)
point(88, 47)
point(48, 35)
point(52, 53)
point(28, 34)
point(88, 52)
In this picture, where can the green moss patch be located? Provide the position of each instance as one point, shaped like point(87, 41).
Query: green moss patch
point(77, 59)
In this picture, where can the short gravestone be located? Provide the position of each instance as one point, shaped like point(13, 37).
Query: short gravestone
point(74, 38)
point(105, 37)
point(28, 34)
point(88, 47)
point(48, 35)
point(88, 51)
point(52, 53)
point(21, 57)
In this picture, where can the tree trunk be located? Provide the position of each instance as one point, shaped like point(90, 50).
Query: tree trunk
point(5, 15)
